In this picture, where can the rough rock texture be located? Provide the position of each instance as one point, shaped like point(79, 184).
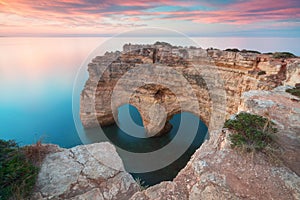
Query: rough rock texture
point(293, 73)
point(215, 83)
point(92, 171)
point(161, 80)
point(216, 171)
point(284, 109)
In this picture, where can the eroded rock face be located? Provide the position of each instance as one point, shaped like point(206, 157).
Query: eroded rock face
point(208, 83)
point(92, 171)
point(216, 171)
point(293, 73)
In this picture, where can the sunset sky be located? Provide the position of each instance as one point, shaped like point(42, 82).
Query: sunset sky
point(258, 18)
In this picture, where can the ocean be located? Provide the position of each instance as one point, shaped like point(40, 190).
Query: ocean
point(38, 100)
point(37, 77)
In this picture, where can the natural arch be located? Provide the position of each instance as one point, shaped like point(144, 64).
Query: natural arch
point(208, 83)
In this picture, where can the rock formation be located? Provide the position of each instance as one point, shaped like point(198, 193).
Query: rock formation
point(215, 171)
point(92, 171)
point(218, 172)
point(161, 80)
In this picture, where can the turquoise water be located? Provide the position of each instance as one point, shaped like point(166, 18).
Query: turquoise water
point(50, 121)
point(37, 76)
point(143, 145)
point(36, 83)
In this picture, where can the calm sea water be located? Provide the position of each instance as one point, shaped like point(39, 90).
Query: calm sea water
point(36, 83)
point(37, 76)
point(126, 142)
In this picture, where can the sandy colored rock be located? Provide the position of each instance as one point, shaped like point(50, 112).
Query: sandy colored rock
point(221, 83)
point(206, 82)
point(92, 171)
point(216, 171)
point(284, 110)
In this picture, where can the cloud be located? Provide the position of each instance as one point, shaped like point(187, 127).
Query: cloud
point(133, 13)
point(241, 12)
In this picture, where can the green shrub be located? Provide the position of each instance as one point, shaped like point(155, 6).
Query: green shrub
point(232, 50)
point(250, 132)
point(268, 53)
point(261, 73)
point(17, 174)
point(250, 51)
point(283, 55)
point(294, 91)
point(242, 51)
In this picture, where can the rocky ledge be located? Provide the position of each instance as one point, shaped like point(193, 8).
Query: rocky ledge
point(172, 79)
point(92, 171)
point(216, 171)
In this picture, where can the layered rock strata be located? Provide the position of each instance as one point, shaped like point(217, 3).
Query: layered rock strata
point(161, 80)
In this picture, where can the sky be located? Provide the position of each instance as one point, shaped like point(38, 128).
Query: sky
point(253, 18)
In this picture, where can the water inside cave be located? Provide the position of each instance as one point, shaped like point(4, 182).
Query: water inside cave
point(130, 143)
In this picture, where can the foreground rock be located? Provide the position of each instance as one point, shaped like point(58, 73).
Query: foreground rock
point(218, 172)
point(92, 171)
point(284, 109)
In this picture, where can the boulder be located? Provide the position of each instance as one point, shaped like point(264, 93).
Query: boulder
point(93, 171)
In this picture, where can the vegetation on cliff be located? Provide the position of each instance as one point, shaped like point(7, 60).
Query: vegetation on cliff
point(283, 55)
point(242, 51)
point(142, 185)
point(250, 132)
point(276, 55)
point(294, 91)
point(17, 173)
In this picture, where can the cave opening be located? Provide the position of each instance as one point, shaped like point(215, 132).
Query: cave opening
point(118, 136)
point(144, 145)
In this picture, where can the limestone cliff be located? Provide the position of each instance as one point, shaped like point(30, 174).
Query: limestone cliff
point(161, 80)
point(216, 171)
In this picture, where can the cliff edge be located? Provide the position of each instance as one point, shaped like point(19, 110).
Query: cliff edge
point(216, 171)
point(161, 80)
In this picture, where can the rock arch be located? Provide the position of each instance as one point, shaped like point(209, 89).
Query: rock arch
point(207, 83)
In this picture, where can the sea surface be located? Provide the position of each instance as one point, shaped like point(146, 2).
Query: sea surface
point(38, 100)
point(37, 77)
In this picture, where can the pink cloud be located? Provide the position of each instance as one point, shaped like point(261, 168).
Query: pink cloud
point(111, 13)
point(242, 12)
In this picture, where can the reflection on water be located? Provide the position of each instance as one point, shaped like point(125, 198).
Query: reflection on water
point(142, 145)
point(36, 82)
point(37, 75)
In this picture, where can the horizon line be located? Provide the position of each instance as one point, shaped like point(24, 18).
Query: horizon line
point(143, 36)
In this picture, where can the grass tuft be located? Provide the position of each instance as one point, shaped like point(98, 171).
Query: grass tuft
point(141, 184)
point(17, 173)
